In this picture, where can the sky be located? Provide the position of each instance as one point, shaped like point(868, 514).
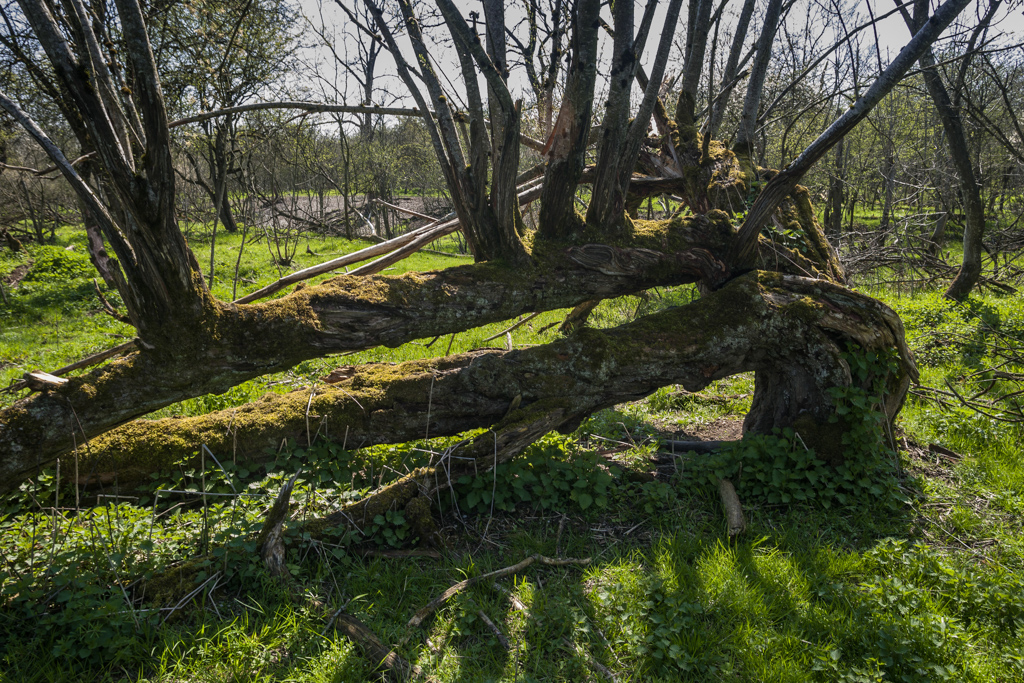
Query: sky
point(892, 34)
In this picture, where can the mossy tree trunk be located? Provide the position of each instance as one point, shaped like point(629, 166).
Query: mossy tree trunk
point(190, 344)
point(230, 344)
point(789, 330)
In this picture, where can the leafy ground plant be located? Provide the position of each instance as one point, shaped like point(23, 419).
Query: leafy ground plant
point(905, 566)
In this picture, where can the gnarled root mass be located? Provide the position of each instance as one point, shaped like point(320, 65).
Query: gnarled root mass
point(787, 329)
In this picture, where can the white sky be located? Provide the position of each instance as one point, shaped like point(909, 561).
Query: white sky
point(892, 35)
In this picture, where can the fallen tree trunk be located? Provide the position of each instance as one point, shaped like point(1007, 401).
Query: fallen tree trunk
point(190, 344)
point(229, 344)
point(761, 322)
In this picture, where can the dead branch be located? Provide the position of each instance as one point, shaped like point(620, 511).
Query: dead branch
point(401, 554)
point(592, 662)
point(392, 251)
point(271, 538)
point(502, 640)
point(45, 171)
point(597, 666)
point(702, 447)
point(312, 107)
point(432, 606)
point(733, 509)
point(434, 230)
point(944, 452)
point(37, 380)
point(417, 214)
point(513, 327)
point(373, 648)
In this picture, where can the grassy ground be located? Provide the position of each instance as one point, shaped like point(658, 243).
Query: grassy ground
point(921, 583)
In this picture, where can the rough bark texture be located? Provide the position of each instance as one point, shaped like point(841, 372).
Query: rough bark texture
point(567, 145)
point(787, 329)
point(231, 344)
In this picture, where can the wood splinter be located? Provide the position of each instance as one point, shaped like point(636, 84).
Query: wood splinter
point(37, 380)
point(733, 509)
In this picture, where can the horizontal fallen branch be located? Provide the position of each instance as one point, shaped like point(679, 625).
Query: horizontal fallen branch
point(436, 230)
point(696, 446)
point(390, 251)
point(86, 362)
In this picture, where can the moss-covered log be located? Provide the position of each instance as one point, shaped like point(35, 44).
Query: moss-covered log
point(762, 322)
point(228, 344)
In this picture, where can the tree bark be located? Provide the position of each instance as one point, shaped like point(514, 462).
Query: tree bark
point(787, 329)
point(744, 144)
point(229, 344)
point(190, 344)
point(567, 144)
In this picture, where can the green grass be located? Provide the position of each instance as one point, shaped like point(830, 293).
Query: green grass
point(927, 587)
point(58, 318)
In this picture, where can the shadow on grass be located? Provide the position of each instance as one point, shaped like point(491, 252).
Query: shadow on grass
point(805, 594)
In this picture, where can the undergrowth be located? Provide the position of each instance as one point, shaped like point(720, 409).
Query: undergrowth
point(896, 566)
point(780, 468)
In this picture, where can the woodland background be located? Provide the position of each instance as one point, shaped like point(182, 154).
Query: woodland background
point(906, 566)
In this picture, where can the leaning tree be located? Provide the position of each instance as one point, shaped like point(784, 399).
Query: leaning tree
point(780, 311)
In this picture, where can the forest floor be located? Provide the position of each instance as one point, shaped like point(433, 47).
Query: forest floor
point(916, 574)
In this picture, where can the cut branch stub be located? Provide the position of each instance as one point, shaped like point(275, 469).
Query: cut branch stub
point(270, 541)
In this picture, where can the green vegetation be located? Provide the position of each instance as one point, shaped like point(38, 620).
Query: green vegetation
point(904, 566)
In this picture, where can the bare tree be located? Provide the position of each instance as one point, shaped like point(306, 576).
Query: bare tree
point(974, 228)
point(777, 311)
point(541, 54)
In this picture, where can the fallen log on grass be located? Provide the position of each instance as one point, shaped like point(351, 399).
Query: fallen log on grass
point(789, 330)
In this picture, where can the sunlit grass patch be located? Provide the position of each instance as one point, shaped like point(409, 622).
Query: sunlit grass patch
point(925, 589)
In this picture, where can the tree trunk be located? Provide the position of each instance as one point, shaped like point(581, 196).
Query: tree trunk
point(191, 344)
point(974, 226)
point(229, 344)
point(837, 183)
point(732, 63)
point(743, 146)
point(888, 186)
point(938, 236)
point(787, 329)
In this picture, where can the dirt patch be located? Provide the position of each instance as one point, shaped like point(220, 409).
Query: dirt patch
point(722, 429)
point(17, 275)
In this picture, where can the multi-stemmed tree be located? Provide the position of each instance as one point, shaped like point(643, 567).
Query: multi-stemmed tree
point(781, 312)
